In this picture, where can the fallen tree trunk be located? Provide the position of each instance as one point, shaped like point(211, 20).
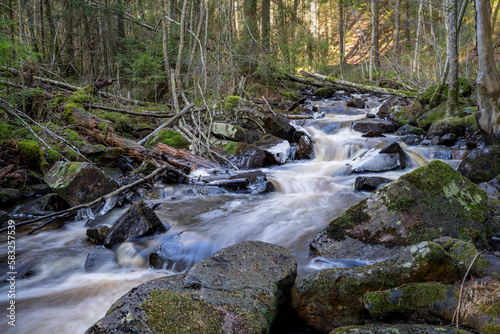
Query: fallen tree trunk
point(129, 112)
point(186, 160)
point(92, 126)
point(325, 81)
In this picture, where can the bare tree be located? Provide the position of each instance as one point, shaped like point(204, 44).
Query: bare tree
point(453, 107)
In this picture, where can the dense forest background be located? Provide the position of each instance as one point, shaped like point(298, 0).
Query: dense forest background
point(170, 50)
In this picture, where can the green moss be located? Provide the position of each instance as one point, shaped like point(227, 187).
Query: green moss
point(406, 299)
point(73, 136)
point(325, 92)
point(426, 120)
point(7, 130)
point(355, 215)
point(464, 253)
point(170, 312)
point(471, 124)
point(104, 128)
point(31, 153)
point(171, 138)
point(455, 125)
point(231, 148)
point(232, 101)
point(401, 204)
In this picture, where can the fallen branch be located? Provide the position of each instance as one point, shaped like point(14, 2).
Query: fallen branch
point(325, 81)
point(166, 124)
point(103, 198)
point(457, 310)
point(135, 113)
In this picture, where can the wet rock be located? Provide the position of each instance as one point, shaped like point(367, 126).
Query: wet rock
point(98, 234)
point(98, 261)
point(431, 201)
point(79, 182)
point(435, 140)
point(448, 139)
point(383, 157)
point(398, 328)
point(482, 164)
point(42, 206)
point(370, 183)
point(325, 92)
point(279, 126)
point(277, 150)
point(236, 290)
point(234, 133)
point(257, 181)
point(412, 140)
point(305, 148)
point(102, 154)
point(474, 141)
point(334, 297)
point(356, 103)
point(384, 109)
point(372, 134)
point(41, 189)
point(246, 156)
point(426, 120)
point(9, 196)
point(372, 124)
point(409, 130)
point(4, 218)
point(443, 155)
point(139, 220)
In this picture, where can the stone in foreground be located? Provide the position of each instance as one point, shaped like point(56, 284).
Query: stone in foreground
point(236, 290)
point(399, 329)
point(79, 182)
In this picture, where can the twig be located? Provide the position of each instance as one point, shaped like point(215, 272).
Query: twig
point(268, 105)
point(260, 126)
point(166, 124)
point(457, 310)
point(103, 198)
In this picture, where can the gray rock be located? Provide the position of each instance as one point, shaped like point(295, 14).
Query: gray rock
point(8, 196)
point(277, 149)
point(334, 297)
point(482, 164)
point(356, 103)
point(247, 156)
point(279, 126)
point(41, 206)
point(98, 234)
point(383, 157)
point(373, 124)
point(102, 154)
point(139, 220)
point(234, 133)
point(79, 182)
point(4, 218)
point(412, 140)
point(448, 139)
point(370, 183)
point(236, 290)
point(410, 130)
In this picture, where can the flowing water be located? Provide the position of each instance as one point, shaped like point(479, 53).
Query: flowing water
point(63, 295)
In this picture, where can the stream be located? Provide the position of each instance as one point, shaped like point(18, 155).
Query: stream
point(66, 292)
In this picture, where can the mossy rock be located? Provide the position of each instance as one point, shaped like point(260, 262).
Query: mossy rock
point(325, 92)
point(171, 138)
point(9, 196)
point(401, 115)
point(482, 164)
point(427, 203)
point(427, 119)
point(32, 154)
point(465, 253)
point(454, 125)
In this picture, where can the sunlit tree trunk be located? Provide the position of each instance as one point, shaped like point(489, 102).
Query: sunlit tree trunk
point(341, 31)
point(397, 28)
point(488, 79)
point(416, 62)
point(374, 50)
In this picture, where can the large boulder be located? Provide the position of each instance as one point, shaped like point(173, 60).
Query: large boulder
point(277, 149)
point(139, 220)
point(384, 110)
point(79, 182)
point(366, 125)
point(431, 201)
point(279, 126)
point(334, 297)
point(383, 157)
point(482, 164)
point(236, 290)
point(102, 154)
point(234, 133)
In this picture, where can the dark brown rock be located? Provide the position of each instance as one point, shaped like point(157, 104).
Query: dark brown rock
point(98, 234)
point(482, 164)
point(370, 183)
point(139, 220)
point(372, 124)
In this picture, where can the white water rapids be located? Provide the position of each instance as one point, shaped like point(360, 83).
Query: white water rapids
point(60, 296)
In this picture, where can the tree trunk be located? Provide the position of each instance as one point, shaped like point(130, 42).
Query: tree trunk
point(397, 28)
point(266, 25)
point(488, 79)
point(453, 59)
point(374, 50)
point(341, 30)
point(416, 63)
point(292, 39)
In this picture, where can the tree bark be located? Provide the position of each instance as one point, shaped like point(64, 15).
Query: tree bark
point(341, 30)
point(453, 59)
point(397, 28)
point(488, 79)
point(266, 25)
